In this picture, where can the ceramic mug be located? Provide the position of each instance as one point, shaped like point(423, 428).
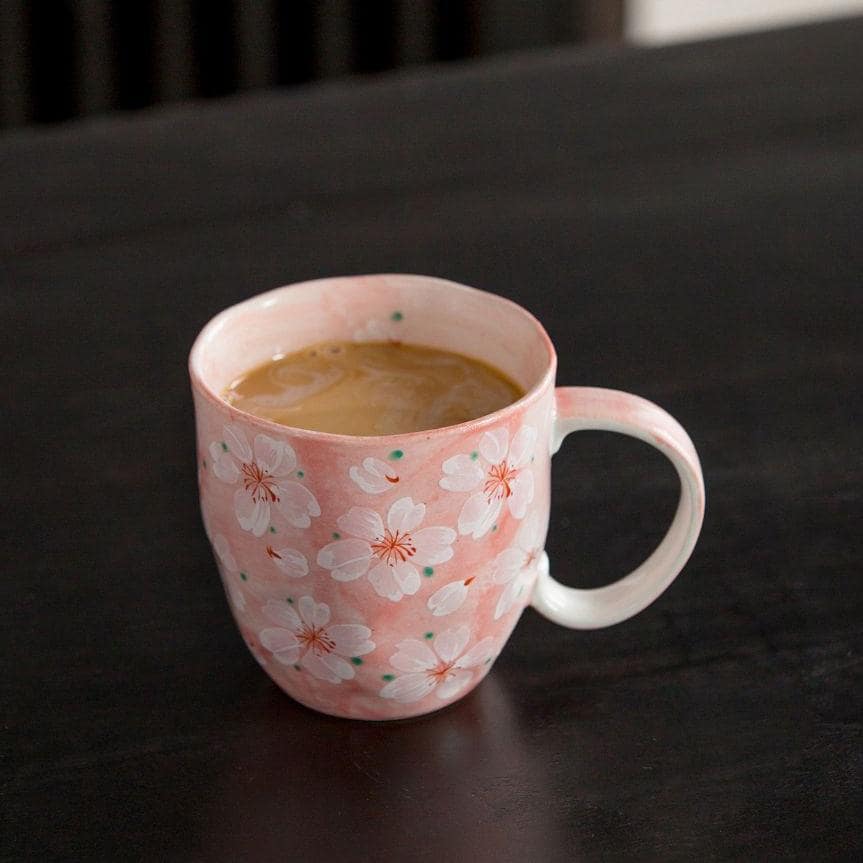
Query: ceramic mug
point(379, 577)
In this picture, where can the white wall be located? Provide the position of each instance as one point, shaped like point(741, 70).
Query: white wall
point(656, 22)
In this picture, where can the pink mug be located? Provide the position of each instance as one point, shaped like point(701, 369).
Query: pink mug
point(379, 577)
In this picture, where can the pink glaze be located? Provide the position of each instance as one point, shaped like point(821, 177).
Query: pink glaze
point(379, 577)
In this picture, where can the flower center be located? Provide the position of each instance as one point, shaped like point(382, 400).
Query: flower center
point(498, 483)
point(443, 670)
point(259, 484)
point(394, 547)
point(315, 638)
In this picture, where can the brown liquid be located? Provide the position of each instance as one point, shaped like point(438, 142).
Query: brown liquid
point(372, 388)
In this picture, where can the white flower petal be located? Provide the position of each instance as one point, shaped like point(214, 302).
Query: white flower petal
point(347, 558)
point(369, 484)
point(253, 515)
point(282, 644)
point(413, 655)
point(337, 664)
point(283, 615)
point(505, 600)
point(384, 582)
point(238, 443)
point(409, 688)
point(362, 522)
point(407, 577)
point(291, 562)
point(455, 682)
point(224, 466)
point(478, 654)
point(461, 473)
point(478, 515)
point(235, 595)
point(508, 564)
point(351, 639)
point(223, 550)
point(451, 642)
point(405, 515)
point(318, 667)
point(297, 504)
point(313, 613)
point(508, 597)
point(432, 545)
point(376, 467)
point(529, 537)
point(493, 445)
point(522, 447)
point(374, 477)
point(448, 599)
point(274, 456)
point(522, 493)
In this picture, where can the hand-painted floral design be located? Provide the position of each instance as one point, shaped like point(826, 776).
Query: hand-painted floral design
point(450, 597)
point(263, 474)
point(305, 638)
point(515, 567)
point(389, 554)
point(440, 666)
point(290, 561)
point(229, 571)
point(498, 474)
point(374, 476)
point(223, 551)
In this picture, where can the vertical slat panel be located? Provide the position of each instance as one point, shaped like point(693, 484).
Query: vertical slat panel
point(175, 76)
point(333, 34)
point(257, 41)
point(414, 31)
point(506, 25)
point(16, 105)
point(94, 56)
point(455, 28)
point(601, 20)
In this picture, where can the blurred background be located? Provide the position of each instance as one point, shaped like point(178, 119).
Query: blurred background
point(61, 59)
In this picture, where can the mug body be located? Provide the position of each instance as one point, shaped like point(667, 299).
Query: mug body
point(376, 577)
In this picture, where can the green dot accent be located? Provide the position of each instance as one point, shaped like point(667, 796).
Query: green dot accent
point(301, 474)
point(428, 572)
point(356, 660)
point(388, 677)
point(204, 464)
point(289, 601)
point(474, 455)
point(494, 527)
point(397, 316)
point(396, 454)
point(297, 668)
point(336, 535)
point(488, 661)
point(224, 447)
point(244, 576)
point(429, 635)
point(272, 529)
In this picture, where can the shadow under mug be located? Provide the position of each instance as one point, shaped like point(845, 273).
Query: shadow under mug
point(379, 577)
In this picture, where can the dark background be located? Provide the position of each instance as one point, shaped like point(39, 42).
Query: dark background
point(64, 58)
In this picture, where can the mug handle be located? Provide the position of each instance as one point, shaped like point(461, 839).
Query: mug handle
point(580, 408)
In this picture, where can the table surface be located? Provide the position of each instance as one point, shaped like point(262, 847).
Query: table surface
point(686, 222)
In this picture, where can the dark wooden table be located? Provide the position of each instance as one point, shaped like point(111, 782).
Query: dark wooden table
point(687, 223)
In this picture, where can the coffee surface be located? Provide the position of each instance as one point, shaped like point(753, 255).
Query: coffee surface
point(372, 388)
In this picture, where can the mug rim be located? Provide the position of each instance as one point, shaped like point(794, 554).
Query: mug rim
point(201, 386)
